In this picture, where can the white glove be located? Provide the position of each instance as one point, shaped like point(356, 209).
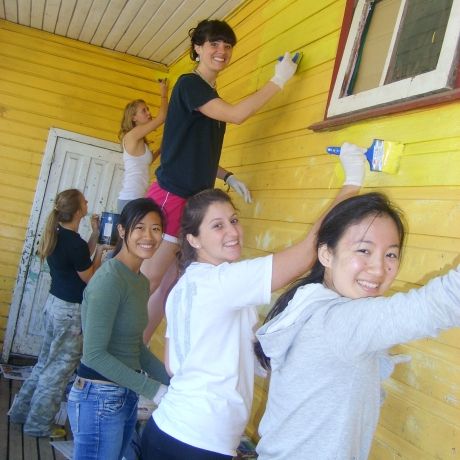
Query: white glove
point(284, 70)
point(353, 160)
point(239, 187)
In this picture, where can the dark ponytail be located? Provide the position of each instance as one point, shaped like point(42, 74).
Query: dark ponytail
point(316, 275)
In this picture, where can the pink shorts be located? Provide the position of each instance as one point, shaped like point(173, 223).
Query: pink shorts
point(172, 207)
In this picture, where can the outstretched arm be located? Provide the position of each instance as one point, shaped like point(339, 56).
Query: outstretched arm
point(220, 110)
point(292, 262)
point(94, 248)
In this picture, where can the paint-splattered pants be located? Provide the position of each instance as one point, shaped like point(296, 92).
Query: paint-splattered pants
point(40, 396)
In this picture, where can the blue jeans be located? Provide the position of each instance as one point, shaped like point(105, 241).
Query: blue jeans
point(102, 418)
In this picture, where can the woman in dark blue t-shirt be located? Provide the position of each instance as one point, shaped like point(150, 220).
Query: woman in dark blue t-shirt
point(71, 267)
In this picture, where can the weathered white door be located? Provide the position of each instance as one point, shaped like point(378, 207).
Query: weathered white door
point(96, 168)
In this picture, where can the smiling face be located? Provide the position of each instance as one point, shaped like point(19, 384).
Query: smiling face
point(214, 56)
point(142, 114)
point(220, 236)
point(144, 239)
point(366, 259)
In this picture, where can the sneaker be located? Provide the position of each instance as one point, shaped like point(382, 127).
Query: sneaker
point(58, 432)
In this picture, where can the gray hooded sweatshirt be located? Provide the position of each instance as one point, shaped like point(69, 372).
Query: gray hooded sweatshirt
point(327, 358)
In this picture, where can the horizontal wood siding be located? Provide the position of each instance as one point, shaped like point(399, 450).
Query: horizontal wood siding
point(292, 180)
point(80, 88)
point(48, 81)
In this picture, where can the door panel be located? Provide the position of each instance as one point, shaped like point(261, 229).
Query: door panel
point(97, 172)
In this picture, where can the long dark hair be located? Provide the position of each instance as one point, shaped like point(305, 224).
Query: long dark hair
point(336, 222)
point(192, 217)
point(66, 204)
point(210, 30)
point(132, 214)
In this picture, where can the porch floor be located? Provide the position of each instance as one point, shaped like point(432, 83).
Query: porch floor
point(14, 444)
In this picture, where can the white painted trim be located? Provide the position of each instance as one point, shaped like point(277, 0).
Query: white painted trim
point(53, 136)
point(394, 37)
point(421, 84)
point(62, 133)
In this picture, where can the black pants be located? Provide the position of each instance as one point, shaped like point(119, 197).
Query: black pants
point(157, 445)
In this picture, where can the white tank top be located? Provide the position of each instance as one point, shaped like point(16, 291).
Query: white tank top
point(136, 176)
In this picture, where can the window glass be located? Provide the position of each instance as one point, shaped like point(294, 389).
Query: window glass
point(396, 50)
point(420, 40)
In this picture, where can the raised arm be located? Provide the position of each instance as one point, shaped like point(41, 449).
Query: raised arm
point(135, 137)
point(95, 249)
point(95, 224)
point(237, 113)
point(292, 262)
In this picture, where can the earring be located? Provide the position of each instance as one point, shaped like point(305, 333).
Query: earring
point(197, 59)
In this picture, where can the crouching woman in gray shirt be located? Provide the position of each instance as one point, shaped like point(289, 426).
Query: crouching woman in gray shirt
point(325, 339)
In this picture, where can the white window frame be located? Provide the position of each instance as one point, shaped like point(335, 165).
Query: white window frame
point(428, 82)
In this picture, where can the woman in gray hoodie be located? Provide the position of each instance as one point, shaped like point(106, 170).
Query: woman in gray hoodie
point(326, 338)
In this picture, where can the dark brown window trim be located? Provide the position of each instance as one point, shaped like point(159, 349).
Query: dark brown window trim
point(335, 123)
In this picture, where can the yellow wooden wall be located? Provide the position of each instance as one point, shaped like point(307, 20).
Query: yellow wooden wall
point(292, 179)
point(47, 81)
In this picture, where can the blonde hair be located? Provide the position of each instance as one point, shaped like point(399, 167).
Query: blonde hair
point(127, 123)
point(66, 204)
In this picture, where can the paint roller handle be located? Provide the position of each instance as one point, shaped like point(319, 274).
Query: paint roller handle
point(333, 150)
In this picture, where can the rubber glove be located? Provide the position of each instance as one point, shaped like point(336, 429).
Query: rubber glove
point(284, 70)
point(239, 187)
point(353, 162)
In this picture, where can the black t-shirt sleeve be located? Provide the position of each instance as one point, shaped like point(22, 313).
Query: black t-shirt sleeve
point(194, 92)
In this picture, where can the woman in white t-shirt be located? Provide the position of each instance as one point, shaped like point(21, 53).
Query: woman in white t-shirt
point(136, 124)
point(211, 315)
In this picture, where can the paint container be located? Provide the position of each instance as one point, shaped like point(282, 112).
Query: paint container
point(108, 233)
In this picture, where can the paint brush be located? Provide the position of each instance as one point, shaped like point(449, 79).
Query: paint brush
point(382, 155)
point(296, 58)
